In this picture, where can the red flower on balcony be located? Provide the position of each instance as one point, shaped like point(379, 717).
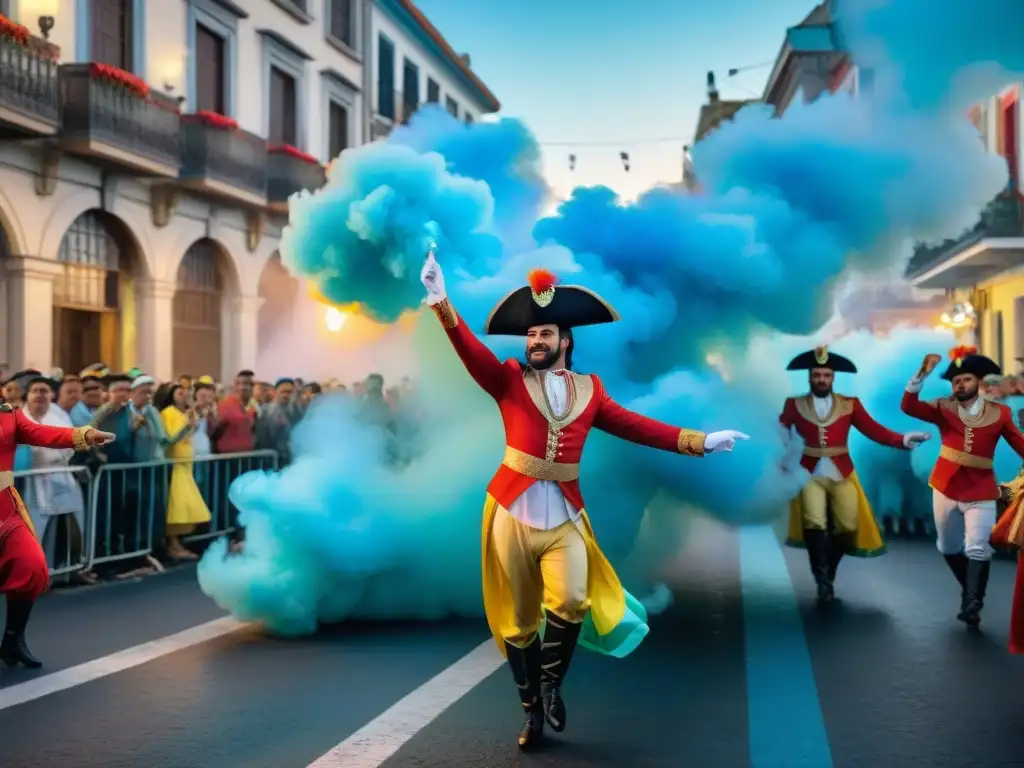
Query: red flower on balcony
point(212, 119)
point(13, 31)
point(298, 154)
point(126, 80)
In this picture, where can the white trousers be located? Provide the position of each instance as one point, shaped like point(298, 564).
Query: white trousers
point(963, 526)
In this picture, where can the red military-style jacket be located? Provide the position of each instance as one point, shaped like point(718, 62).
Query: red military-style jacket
point(828, 437)
point(538, 444)
point(963, 471)
point(15, 430)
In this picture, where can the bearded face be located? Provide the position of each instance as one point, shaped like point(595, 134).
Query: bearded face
point(822, 380)
point(965, 387)
point(544, 346)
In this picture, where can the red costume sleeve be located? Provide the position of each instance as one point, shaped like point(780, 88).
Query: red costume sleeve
point(629, 425)
point(27, 432)
point(912, 405)
point(483, 366)
point(1013, 436)
point(788, 416)
point(872, 430)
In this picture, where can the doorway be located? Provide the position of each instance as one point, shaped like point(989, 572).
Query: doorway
point(82, 337)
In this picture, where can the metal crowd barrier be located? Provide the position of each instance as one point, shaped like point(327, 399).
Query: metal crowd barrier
point(126, 504)
point(55, 530)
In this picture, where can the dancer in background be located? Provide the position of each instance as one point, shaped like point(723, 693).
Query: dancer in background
point(24, 575)
point(964, 484)
point(824, 420)
point(540, 558)
point(1009, 534)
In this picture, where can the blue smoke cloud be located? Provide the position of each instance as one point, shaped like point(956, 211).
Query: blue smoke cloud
point(717, 291)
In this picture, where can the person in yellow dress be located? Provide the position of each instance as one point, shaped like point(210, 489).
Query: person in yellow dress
point(186, 508)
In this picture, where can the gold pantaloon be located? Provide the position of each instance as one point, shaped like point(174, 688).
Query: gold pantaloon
point(822, 494)
point(544, 569)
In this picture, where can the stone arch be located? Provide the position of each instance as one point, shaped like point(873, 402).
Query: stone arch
point(279, 291)
point(66, 212)
point(95, 292)
point(206, 282)
point(11, 229)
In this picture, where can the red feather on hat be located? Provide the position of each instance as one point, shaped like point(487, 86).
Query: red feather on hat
point(964, 350)
point(541, 280)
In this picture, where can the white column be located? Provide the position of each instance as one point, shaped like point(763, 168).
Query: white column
point(155, 343)
point(30, 311)
point(240, 334)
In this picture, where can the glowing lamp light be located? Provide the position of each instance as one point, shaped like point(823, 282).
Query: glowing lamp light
point(958, 317)
point(335, 319)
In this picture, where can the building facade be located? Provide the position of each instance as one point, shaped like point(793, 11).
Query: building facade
point(147, 153)
point(412, 64)
point(983, 269)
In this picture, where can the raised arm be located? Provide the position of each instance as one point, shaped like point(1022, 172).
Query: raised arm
point(630, 425)
point(27, 432)
point(911, 403)
point(872, 430)
point(486, 370)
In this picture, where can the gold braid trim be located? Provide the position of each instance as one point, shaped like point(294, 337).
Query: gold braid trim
point(446, 314)
point(690, 442)
point(78, 435)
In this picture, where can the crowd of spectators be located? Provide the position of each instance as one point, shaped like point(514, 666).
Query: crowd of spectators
point(161, 491)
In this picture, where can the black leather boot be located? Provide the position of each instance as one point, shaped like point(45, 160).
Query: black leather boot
point(817, 553)
point(838, 545)
point(525, 666)
point(13, 649)
point(559, 642)
point(974, 593)
point(958, 565)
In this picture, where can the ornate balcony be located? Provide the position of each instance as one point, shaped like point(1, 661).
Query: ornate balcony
point(993, 245)
point(219, 158)
point(28, 86)
point(289, 171)
point(112, 117)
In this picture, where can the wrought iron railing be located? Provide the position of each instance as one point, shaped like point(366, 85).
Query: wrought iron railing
point(230, 156)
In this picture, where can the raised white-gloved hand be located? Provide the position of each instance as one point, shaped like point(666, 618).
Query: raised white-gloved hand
point(722, 442)
point(927, 366)
point(433, 279)
point(914, 439)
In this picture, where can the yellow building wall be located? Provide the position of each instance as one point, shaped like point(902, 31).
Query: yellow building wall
point(1002, 300)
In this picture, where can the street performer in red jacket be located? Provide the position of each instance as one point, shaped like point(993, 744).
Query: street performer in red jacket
point(1009, 534)
point(964, 485)
point(824, 420)
point(541, 563)
point(24, 574)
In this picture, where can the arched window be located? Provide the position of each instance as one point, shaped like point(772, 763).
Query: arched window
point(198, 307)
point(90, 255)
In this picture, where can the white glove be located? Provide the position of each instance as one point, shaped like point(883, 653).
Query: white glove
point(433, 279)
point(722, 442)
point(914, 439)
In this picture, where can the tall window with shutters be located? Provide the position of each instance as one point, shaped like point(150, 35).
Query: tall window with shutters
point(433, 91)
point(112, 33)
point(452, 106)
point(385, 78)
point(337, 136)
point(211, 65)
point(284, 127)
point(341, 24)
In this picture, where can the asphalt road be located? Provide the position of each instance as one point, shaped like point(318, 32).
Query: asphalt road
point(742, 670)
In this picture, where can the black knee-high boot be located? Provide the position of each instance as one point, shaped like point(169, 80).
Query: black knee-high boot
point(525, 666)
point(838, 545)
point(958, 565)
point(816, 542)
point(13, 649)
point(560, 638)
point(974, 593)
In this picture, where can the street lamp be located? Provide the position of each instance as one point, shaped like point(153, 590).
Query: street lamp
point(959, 317)
point(45, 10)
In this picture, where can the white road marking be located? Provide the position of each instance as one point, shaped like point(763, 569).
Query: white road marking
point(117, 662)
point(378, 740)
